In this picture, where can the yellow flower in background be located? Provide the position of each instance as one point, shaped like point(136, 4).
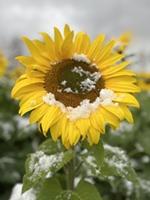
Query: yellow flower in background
point(74, 86)
point(144, 81)
point(15, 73)
point(123, 42)
point(3, 64)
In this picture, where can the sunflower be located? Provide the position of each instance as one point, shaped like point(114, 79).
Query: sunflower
point(123, 42)
point(144, 81)
point(74, 87)
point(3, 64)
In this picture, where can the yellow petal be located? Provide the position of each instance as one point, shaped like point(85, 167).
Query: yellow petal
point(67, 46)
point(111, 61)
point(95, 46)
point(83, 126)
point(73, 133)
point(49, 45)
point(97, 121)
point(109, 117)
point(126, 98)
point(114, 69)
point(122, 87)
point(127, 114)
point(38, 113)
point(81, 43)
point(115, 110)
point(67, 30)
point(93, 136)
point(58, 41)
point(50, 118)
point(35, 52)
point(105, 52)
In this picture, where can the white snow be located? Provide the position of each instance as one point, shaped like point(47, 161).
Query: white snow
point(124, 127)
point(91, 79)
point(68, 90)
point(119, 160)
point(145, 185)
point(77, 180)
point(91, 161)
point(17, 193)
point(129, 187)
point(63, 82)
point(146, 159)
point(40, 162)
point(85, 108)
point(81, 58)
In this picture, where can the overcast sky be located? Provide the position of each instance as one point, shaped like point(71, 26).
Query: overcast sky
point(28, 17)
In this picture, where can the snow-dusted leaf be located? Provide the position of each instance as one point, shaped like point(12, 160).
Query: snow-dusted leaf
point(116, 163)
point(40, 166)
point(87, 191)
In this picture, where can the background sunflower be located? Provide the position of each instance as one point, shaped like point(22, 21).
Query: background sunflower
point(3, 64)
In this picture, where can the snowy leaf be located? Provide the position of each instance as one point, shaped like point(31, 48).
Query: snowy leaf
point(40, 166)
point(116, 163)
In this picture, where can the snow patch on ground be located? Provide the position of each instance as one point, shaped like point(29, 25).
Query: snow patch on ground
point(17, 193)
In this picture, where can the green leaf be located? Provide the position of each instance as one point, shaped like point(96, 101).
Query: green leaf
point(49, 146)
point(93, 157)
point(116, 163)
point(97, 151)
point(40, 165)
point(49, 190)
point(87, 191)
point(142, 139)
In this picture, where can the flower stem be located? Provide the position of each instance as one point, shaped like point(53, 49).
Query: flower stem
point(70, 173)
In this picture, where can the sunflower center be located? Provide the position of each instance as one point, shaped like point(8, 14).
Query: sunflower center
point(72, 81)
point(77, 77)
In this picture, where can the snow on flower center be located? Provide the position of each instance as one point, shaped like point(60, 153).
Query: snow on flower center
point(77, 75)
point(74, 80)
point(85, 108)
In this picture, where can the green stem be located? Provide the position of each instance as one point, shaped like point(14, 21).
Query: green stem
point(70, 175)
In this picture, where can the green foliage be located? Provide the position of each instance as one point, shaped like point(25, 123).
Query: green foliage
point(87, 191)
point(49, 189)
point(40, 165)
point(17, 139)
point(116, 163)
